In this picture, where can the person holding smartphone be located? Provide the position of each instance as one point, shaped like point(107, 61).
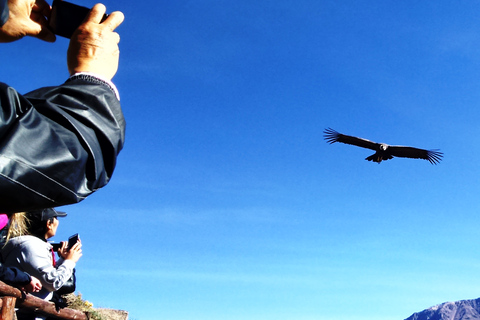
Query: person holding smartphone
point(32, 254)
point(59, 144)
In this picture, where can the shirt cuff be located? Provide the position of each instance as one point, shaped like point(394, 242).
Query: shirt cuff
point(88, 76)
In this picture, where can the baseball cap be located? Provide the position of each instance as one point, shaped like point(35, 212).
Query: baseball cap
point(45, 214)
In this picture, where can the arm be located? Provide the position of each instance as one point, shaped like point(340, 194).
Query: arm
point(54, 278)
point(34, 286)
point(14, 277)
point(37, 261)
point(17, 278)
point(63, 272)
point(57, 145)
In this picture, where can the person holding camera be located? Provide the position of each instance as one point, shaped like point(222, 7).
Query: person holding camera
point(32, 254)
point(59, 144)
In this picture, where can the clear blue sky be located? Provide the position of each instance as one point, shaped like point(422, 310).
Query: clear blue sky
point(227, 204)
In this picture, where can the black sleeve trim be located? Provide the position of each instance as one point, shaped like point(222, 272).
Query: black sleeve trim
point(91, 78)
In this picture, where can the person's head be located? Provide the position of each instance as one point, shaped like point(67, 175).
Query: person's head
point(43, 223)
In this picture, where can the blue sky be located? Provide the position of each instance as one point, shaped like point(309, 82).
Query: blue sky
point(227, 203)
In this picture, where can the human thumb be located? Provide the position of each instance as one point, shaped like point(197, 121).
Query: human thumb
point(46, 34)
point(39, 29)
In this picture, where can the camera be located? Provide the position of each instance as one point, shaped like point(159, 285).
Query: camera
point(66, 17)
point(71, 242)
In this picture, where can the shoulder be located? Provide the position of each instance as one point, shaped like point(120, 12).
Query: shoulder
point(24, 246)
point(26, 242)
point(5, 87)
point(30, 250)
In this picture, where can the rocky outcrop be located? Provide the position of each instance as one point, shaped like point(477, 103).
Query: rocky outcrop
point(459, 310)
point(109, 314)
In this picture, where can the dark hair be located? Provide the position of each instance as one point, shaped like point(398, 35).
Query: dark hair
point(37, 227)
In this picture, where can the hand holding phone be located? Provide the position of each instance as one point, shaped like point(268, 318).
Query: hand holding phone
point(26, 18)
point(73, 250)
point(61, 249)
point(72, 241)
point(56, 246)
point(94, 45)
point(66, 17)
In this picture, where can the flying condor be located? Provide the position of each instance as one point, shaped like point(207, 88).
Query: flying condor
point(383, 151)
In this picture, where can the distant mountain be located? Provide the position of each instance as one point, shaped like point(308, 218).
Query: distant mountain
point(460, 310)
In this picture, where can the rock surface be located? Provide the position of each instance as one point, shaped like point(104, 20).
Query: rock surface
point(110, 314)
point(459, 310)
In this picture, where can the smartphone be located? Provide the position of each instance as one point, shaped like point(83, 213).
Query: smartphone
point(56, 246)
point(72, 240)
point(66, 17)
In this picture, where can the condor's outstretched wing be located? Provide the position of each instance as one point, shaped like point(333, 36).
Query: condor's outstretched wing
point(333, 136)
point(433, 156)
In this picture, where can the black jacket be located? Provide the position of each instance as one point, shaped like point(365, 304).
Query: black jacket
point(57, 144)
point(14, 276)
point(3, 12)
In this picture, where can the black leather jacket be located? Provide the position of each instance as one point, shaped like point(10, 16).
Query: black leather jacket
point(57, 144)
point(3, 12)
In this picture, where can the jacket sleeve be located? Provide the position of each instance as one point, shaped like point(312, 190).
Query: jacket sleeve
point(4, 12)
point(14, 276)
point(57, 144)
point(54, 278)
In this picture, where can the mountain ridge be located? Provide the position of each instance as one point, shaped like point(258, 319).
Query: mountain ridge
point(458, 310)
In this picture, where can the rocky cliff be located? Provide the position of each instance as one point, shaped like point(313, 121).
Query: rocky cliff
point(460, 310)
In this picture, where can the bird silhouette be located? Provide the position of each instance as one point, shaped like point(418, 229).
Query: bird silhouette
point(383, 151)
